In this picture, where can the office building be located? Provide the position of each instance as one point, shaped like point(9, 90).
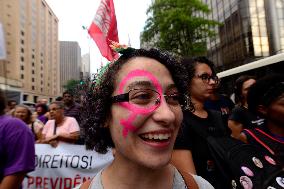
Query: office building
point(249, 30)
point(32, 48)
point(85, 68)
point(70, 62)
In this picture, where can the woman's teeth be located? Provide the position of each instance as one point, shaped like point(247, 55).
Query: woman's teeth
point(157, 136)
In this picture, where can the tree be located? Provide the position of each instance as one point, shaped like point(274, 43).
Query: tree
point(174, 26)
point(71, 85)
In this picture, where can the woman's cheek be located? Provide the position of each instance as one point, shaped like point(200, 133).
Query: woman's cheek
point(133, 122)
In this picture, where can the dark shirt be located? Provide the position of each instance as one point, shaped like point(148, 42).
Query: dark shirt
point(223, 104)
point(73, 111)
point(273, 142)
point(246, 118)
point(204, 164)
point(42, 118)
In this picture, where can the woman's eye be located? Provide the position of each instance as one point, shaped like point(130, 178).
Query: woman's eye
point(205, 77)
point(141, 98)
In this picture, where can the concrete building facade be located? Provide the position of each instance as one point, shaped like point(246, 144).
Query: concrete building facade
point(249, 30)
point(70, 62)
point(85, 68)
point(32, 48)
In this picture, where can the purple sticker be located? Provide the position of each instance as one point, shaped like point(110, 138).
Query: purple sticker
point(280, 181)
point(246, 182)
point(257, 162)
point(270, 160)
point(247, 171)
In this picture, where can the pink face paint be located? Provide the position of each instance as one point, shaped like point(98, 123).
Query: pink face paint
point(136, 110)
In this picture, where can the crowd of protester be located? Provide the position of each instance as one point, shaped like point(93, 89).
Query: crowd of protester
point(256, 118)
point(50, 120)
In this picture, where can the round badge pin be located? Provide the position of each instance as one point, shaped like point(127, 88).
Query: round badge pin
point(246, 182)
point(257, 162)
point(234, 184)
point(270, 187)
point(280, 181)
point(270, 160)
point(247, 171)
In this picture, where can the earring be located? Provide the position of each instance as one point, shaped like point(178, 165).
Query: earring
point(187, 102)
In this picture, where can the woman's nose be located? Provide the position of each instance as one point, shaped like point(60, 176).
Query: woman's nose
point(164, 113)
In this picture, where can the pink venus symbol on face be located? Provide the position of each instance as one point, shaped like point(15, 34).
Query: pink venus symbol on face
point(134, 109)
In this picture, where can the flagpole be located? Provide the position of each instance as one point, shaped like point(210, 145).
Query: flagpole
point(89, 47)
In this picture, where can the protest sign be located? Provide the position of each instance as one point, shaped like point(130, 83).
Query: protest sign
point(65, 166)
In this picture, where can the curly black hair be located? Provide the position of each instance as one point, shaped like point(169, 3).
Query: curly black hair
point(265, 91)
point(44, 108)
point(68, 92)
point(97, 94)
point(190, 64)
point(239, 86)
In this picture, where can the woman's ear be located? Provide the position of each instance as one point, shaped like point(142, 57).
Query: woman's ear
point(262, 109)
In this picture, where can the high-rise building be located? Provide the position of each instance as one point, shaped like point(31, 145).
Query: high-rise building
point(32, 63)
point(249, 29)
point(85, 68)
point(70, 61)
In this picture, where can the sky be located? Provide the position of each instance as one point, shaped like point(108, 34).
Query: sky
point(73, 14)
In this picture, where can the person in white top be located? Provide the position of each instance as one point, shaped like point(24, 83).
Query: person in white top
point(60, 127)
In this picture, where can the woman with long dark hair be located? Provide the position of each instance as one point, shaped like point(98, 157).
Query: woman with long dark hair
point(191, 152)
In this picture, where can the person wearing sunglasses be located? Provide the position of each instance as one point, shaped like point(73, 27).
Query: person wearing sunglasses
point(135, 106)
point(191, 152)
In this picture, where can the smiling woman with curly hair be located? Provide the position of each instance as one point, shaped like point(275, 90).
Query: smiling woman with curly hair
point(97, 98)
point(135, 106)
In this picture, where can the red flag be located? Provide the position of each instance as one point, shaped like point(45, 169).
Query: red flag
point(104, 28)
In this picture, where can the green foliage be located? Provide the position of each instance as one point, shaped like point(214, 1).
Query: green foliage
point(71, 85)
point(173, 25)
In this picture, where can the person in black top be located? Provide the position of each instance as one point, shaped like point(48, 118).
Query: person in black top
point(72, 108)
point(266, 99)
point(240, 117)
point(191, 152)
point(221, 103)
